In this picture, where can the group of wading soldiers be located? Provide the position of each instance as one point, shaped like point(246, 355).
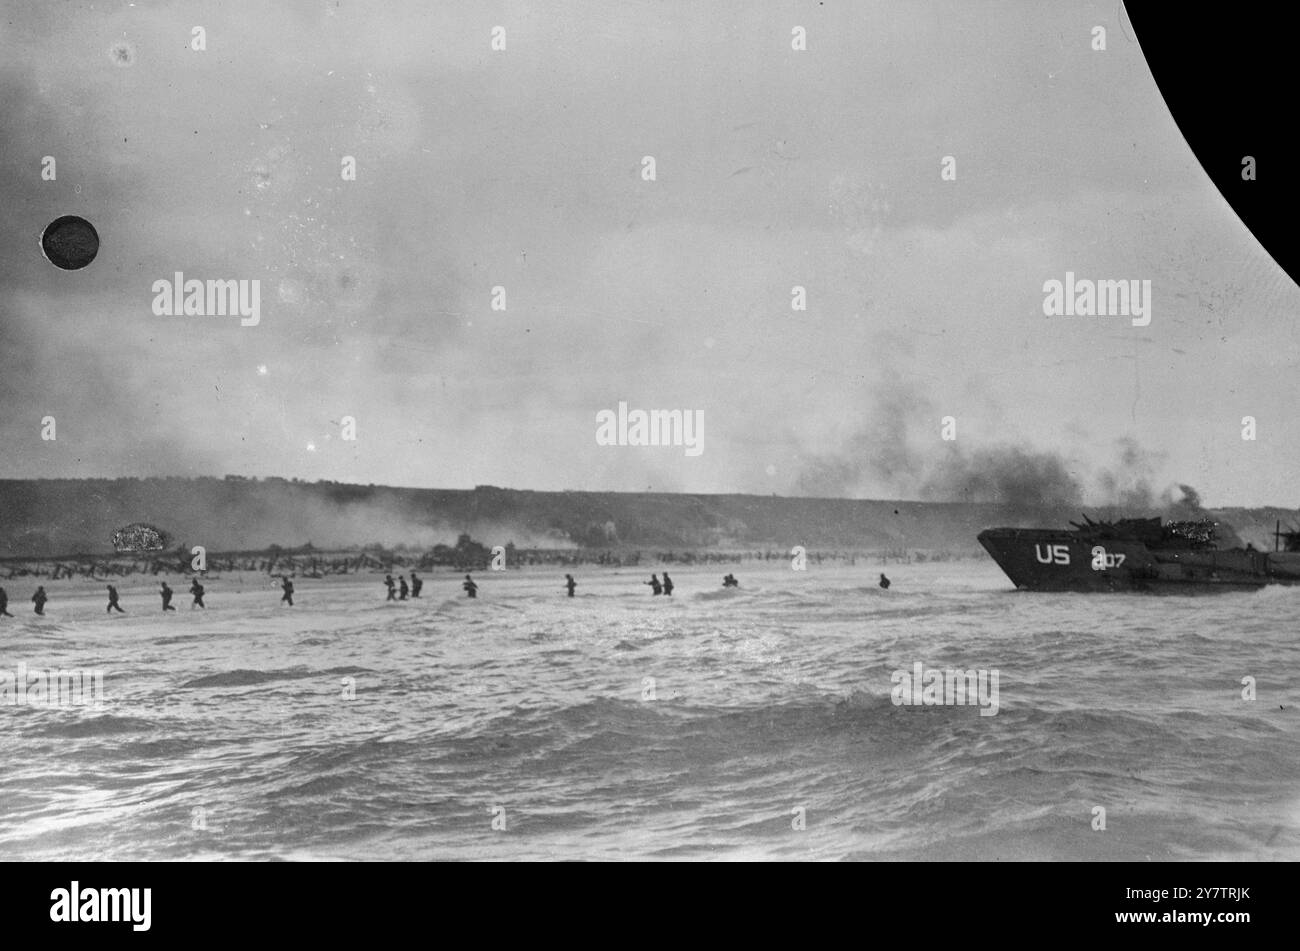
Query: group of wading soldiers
point(196, 589)
point(397, 591)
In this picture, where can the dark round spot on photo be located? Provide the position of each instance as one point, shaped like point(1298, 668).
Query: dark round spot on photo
point(70, 242)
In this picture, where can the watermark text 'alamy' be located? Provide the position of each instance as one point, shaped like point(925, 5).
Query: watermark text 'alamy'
point(656, 427)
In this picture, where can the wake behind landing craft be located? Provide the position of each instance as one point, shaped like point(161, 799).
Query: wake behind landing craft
point(1139, 554)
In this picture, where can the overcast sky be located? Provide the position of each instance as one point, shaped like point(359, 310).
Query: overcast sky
point(522, 168)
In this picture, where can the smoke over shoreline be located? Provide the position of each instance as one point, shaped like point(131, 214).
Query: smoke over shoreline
point(60, 517)
point(899, 451)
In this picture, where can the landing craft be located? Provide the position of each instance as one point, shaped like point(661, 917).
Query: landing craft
point(1140, 554)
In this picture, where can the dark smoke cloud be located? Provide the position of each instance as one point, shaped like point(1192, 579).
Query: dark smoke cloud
point(1185, 504)
point(888, 453)
point(897, 452)
point(1128, 483)
point(882, 451)
point(1004, 474)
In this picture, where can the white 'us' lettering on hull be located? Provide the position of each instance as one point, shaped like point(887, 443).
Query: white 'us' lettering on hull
point(1052, 554)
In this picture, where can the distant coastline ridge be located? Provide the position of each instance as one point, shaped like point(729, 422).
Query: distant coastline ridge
point(49, 517)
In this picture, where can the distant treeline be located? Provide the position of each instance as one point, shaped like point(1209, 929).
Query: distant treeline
point(306, 561)
point(466, 555)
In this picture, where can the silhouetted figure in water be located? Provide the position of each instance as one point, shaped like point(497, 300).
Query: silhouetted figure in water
point(4, 604)
point(112, 602)
point(287, 586)
point(655, 586)
point(196, 589)
point(470, 587)
point(668, 585)
point(39, 599)
point(570, 584)
point(416, 585)
point(729, 581)
point(167, 597)
point(884, 582)
point(392, 588)
point(401, 581)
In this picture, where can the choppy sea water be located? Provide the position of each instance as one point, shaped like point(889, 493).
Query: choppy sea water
point(747, 724)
